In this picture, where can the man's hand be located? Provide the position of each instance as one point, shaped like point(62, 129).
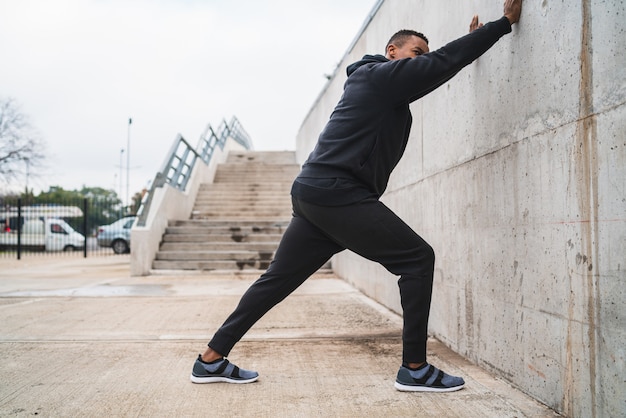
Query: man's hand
point(475, 24)
point(513, 10)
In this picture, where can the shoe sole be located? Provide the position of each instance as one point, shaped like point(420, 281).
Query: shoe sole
point(413, 388)
point(217, 379)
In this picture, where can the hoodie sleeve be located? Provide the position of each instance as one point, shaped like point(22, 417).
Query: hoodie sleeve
point(410, 79)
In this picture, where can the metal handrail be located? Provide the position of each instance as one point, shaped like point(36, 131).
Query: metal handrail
point(182, 157)
point(239, 134)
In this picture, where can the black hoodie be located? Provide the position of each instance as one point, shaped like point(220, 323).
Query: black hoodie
point(367, 132)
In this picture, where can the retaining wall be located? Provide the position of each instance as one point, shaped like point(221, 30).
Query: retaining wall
point(516, 174)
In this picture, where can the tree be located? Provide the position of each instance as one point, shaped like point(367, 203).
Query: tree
point(21, 148)
point(137, 200)
point(105, 205)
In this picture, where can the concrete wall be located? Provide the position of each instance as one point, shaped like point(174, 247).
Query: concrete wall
point(516, 174)
point(170, 204)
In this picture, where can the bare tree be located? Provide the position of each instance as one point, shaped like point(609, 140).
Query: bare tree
point(21, 147)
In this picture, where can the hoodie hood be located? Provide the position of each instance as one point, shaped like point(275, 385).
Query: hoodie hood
point(367, 59)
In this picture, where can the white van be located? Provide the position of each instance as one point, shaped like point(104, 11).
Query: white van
point(49, 234)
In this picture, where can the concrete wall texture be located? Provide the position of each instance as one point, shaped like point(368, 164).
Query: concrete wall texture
point(516, 174)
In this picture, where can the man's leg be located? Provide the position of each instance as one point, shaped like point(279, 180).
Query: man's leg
point(373, 231)
point(302, 251)
point(370, 229)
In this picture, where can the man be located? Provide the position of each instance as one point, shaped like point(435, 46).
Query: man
point(336, 199)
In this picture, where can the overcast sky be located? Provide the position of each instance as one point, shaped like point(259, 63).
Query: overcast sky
point(81, 68)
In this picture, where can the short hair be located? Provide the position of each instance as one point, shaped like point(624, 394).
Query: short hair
point(399, 38)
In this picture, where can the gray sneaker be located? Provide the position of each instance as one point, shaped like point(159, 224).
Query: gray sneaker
point(427, 378)
point(220, 371)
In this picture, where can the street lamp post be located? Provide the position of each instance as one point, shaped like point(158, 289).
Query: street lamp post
point(130, 121)
point(27, 160)
point(122, 177)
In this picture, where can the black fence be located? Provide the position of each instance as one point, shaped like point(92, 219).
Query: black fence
point(78, 227)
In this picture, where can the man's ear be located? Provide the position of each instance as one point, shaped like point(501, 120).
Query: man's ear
point(391, 51)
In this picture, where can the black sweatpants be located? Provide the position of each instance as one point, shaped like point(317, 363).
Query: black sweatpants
point(316, 233)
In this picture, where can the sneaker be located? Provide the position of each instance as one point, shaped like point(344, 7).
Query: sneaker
point(220, 371)
point(427, 378)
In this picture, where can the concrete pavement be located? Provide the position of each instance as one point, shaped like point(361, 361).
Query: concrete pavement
point(80, 337)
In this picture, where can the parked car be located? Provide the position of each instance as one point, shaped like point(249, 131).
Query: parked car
point(116, 235)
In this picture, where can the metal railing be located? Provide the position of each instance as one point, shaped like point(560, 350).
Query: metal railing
point(182, 158)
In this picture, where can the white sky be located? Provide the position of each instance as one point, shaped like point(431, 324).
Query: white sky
point(80, 68)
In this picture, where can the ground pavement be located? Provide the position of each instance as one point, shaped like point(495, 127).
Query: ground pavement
point(80, 337)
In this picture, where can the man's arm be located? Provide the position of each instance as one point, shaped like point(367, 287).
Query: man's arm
point(414, 78)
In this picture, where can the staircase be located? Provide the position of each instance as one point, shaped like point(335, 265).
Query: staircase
point(237, 220)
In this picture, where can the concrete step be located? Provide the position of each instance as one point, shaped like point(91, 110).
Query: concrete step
point(249, 188)
point(245, 200)
point(250, 180)
point(252, 225)
point(231, 220)
point(280, 172)
point(251, 212)
point(236, 190)
point(244, 222)
point(235, 217)
point(238, 178)
point(253, 177)
point(243, 210)
point(238, 175)
point(267, 157)
point(253, 186)
point(236, 204)
point(203, 227)
point(237, 255)
point(243, 195)
point(256, 179)
point(235, 198)
point(284, 197)
point(258, 167)
point(198, 265)
point(220, 238)
point(260, 247)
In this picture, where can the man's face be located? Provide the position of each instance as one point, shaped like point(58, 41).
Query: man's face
point(413, 47)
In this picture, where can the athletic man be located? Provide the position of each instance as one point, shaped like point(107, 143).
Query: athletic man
point(336, 199)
